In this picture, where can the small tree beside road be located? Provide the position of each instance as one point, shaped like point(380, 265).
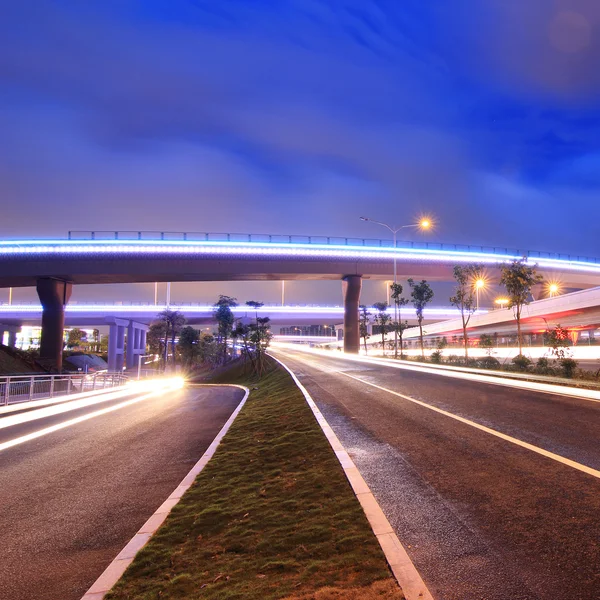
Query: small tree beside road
point(518, 278)
point(75, 337)
point(364, 322)
point(465, 296)
point(398, 326)
point(421, 295)
point(189, 345)
point(225, 321)
point(173, 322)
point(383, 320)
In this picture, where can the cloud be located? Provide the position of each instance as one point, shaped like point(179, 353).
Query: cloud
point(297, 115)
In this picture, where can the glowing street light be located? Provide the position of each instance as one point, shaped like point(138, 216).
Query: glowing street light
point(479, 285)
point(424, 224)
point(502, 302)
point(553, 289)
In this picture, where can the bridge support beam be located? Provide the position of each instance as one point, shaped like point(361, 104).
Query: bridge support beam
point(116, 344)
point(136, 343)
point(352, 287)
point(54, 295)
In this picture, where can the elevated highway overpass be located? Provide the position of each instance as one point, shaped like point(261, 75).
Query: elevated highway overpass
point(79, 315)
point(54, 265)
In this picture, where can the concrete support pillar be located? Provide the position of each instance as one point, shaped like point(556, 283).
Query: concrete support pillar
point(116, 344)
point(352, 287)
point(54, 296)
point(131, 355)
point(12, 338)
point(136, 343)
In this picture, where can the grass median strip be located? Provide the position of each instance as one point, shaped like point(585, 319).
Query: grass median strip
point(272, 516)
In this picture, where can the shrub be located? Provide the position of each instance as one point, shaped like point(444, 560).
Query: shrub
point(436, 357)
point(454, 359)
point(521, 362)
point(543, 366)
point(568, 365)
point(489, 362)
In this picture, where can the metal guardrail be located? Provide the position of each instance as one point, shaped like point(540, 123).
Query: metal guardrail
point(15, 389)
point(312, 239)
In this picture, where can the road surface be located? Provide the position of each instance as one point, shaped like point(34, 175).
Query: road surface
point(482, 517)
point(73, 498)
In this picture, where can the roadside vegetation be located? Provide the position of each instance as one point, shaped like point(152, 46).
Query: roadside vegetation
point(272, 515)
point(518, 279)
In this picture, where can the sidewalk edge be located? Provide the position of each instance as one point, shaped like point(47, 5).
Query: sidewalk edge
point(402, 567)
point(117, 567)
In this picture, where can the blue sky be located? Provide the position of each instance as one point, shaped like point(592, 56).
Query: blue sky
point(299, 116)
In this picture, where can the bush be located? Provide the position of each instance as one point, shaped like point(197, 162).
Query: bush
point(521, 362)
point(543, 366)
point(436, 357)
point(569, 366)
point(454, 359)
point(489, 362)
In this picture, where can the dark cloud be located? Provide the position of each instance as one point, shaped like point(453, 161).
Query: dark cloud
point(297, 116)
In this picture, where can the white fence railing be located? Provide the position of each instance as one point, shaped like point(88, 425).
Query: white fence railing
point(24, 388)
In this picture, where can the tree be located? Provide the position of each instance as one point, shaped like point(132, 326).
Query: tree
point(559, 342)
point(255, 339)
point(465, 297)
point(188, 345)
point(75, 337)
point(174, 321)
point(96, 340)
point(397, 325)
point(486, 341)
point(421, 295)
point(364, 321)
point(225, 320)
point(382, 320)
point(156, 336)
point(208, 349)
point(259, 336)
point(518, 278)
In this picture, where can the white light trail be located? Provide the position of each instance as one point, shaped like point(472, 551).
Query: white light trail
point(453, 372)
point(159, 386)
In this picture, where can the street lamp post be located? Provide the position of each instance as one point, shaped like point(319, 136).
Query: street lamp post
point(140, 356)
point(422, 224)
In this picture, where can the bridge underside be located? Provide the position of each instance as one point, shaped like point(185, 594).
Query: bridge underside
point(117, 269)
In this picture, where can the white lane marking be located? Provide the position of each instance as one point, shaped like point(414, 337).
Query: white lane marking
point(502, 436)
point(404, 570)
point(456, 373)
point(117, 567)
point(75, 421)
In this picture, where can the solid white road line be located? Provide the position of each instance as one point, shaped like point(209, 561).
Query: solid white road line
point(455, 373)
point(502, 436)
point(402, 567)
point(117, 567)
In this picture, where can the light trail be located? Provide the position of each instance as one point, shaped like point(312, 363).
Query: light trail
point(159, 387)
point(455, 373)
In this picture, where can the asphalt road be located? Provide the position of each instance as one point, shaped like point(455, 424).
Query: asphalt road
point(481, 517)
point(70, 500)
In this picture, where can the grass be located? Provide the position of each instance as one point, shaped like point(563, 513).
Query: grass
point(272, 516)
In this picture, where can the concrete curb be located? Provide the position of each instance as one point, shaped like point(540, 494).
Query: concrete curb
point(117, 567)
point(402, 567)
